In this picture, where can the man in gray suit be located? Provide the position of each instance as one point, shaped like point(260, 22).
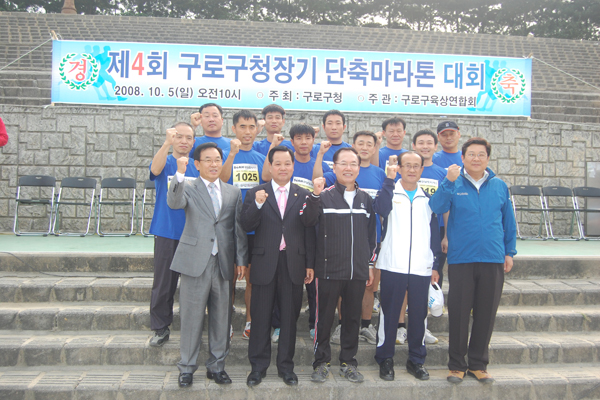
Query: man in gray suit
point(212, 242)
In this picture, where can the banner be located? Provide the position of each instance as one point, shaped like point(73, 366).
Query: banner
point(177, 75)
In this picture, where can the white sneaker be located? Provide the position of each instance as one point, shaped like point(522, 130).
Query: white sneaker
point(376, 305)
point(335, 338)
point(275, 336)
point(429, 338)
point(401, 336)
point(369, 334)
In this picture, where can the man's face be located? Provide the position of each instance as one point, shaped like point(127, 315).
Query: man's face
point(282, 167)
point(411, 168)
point(425, 146)
point(334, 127)
point(449, 140)
point(475, 159)
point(303, 143)
point(211, 120)
point(245, 130)
point(184, 140)
point(394, 135)
point(210, 164)
point(274, 122)
point(346, 168)
point(365, 146)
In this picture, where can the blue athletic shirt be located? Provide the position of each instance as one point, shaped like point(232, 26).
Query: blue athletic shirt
point(247, 170)
point(384, 156)
point(303, 173)
point(328, 157)
point(262, 146)
point(222, 143)
point(166, 222)
point(445, 160)
point(411, 194)
point(370, 179)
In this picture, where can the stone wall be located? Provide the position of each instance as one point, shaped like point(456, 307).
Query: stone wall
point(102, 142)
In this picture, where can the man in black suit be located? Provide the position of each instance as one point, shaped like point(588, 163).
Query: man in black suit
point(282, 261)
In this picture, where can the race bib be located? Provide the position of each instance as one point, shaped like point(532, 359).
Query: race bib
point(303, 183)
point(329, 163)
point(371, 192)
point(245, 176)
point(186, 179)
point(428, 185)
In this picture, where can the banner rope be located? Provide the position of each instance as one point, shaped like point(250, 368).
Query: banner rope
point(53, 36)
point(564, 72)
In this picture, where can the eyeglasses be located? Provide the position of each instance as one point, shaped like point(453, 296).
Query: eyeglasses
point(478, 155)
point(414, 167)
point(210, 161)
point(344, 165)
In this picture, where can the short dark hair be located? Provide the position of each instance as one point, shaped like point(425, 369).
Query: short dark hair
point(393, 121)
point(280, 148)
point(425, 132)
point(339, 151)
point(364, 133)
point(273, 108)
point(245, 114)
point(334, 112)
point(477, 140)
point(205, 146)
point(301, 129)
point(184, 124)
point(203, 106)
point(409, 152)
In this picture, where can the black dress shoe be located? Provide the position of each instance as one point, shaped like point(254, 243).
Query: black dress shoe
point(386, 369)
point(417, 370)
point(186, 379)
point(289, 378)
point(255, 378)
point(220, 377)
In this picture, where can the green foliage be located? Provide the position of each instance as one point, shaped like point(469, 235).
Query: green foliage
point(567, 19)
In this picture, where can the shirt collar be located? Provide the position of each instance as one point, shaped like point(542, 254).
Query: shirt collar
point(480, 181)
point(216, 182)
point(276, 186)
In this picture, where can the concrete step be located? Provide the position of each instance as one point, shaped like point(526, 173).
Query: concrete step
point(525, 267)
point(142, 383)
point(126, 348)
point(122, 286)
point(136, 316)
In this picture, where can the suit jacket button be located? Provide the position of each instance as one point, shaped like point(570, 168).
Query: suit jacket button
point(212, 240)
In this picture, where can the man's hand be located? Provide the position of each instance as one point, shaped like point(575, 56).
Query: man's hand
point(371, 277)
point(277, 140)
point(453, 172)
point(318, 185)
point(379, 136)
point(310, 275)
point(317, 129)
point(325, 145)
point(182, 163)
point(435, 277)
point(235, 146)
point(261, 196)
point(393, 160)
point(445, 245)
point(392, 170)
point(259, 125)
point(241, 271)
point(170, 138)
point(195, 119)
point(508, 264)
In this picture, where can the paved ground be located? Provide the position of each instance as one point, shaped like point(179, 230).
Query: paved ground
point(141, 244)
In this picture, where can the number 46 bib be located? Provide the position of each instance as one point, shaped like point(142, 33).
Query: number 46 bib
point(245, 176)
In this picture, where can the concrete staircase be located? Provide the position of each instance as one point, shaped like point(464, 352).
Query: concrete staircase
point(75, 327)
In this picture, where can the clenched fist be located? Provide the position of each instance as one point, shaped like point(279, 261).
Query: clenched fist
point(453, 172)
point(392, 170)
point(325, 146)
point(318, 185)
point(195, 119)
point(182, 163)
point(277, 140)
point(170, 138)
point(235, 146)
point(261, 196)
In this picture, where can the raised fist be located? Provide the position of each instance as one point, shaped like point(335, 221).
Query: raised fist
point(453, 172)
point(277, 140)
point(325, 145)
point(392, 170)
point(195, 119)
point(171, 132)
point(235, 146)
point(182, 163)
point(318, 185)
point(261, 196)
point(393, 160)
point(259, 125)
point(379, 138)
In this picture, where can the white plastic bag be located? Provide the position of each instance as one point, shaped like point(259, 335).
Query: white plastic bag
point(436, 300)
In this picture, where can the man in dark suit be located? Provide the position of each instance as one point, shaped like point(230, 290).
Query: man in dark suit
point(282, 261)
point(211, 243)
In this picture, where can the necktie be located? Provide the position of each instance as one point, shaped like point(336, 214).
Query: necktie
point(212, 190)
point(282, 203)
